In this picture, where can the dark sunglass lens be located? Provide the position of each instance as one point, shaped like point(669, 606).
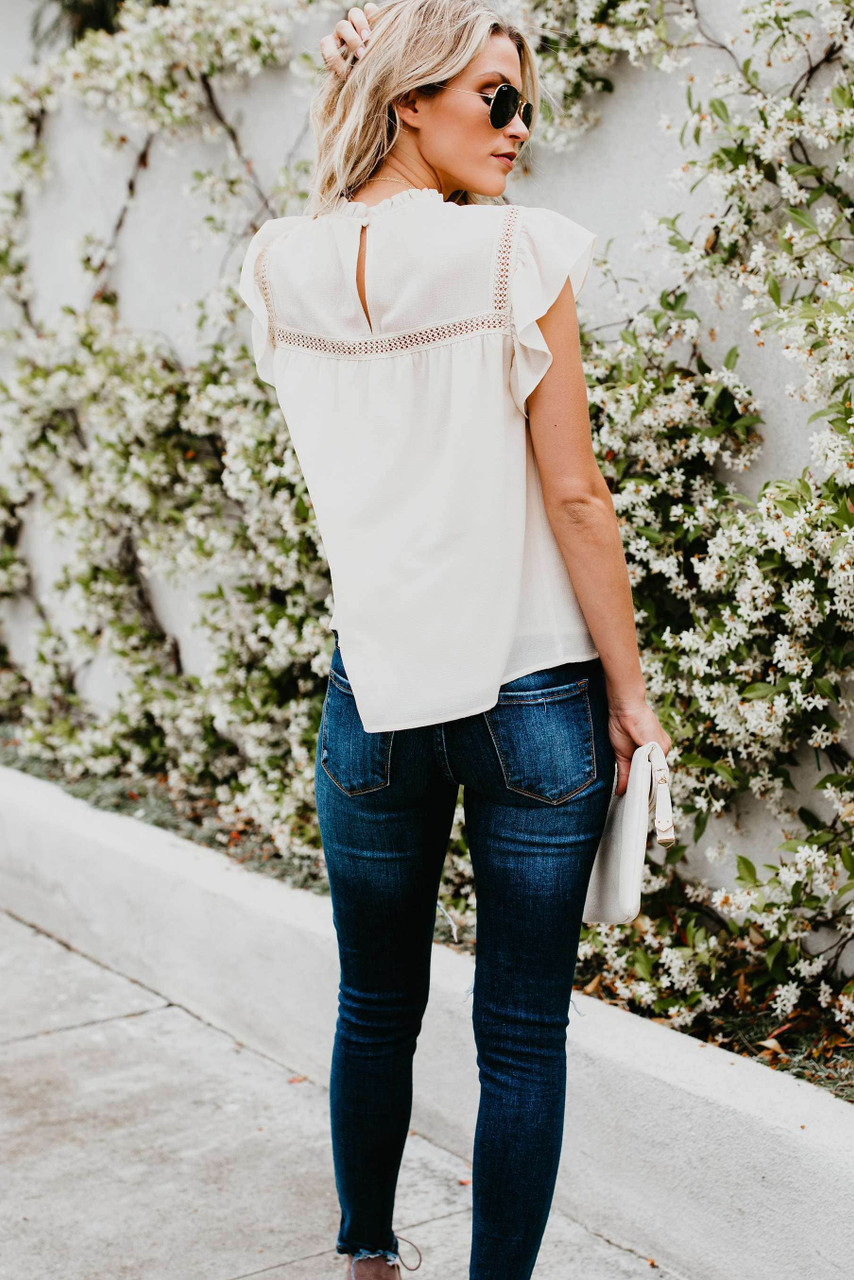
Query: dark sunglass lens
point(505, 104)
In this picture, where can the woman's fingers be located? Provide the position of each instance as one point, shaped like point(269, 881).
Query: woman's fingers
point(348, 39)
point(337, 49)
point(361, 19)
point(333, 54)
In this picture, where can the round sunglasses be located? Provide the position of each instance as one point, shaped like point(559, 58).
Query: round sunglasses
point(504, 103)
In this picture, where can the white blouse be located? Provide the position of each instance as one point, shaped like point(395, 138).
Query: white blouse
point(410, 429)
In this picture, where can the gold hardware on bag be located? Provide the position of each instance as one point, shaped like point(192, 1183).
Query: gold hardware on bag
point(665, 832)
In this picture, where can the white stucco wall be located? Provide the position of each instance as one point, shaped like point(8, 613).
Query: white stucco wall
point(614, 179)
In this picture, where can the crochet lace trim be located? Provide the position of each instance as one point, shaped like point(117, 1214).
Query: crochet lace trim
point(498, 317)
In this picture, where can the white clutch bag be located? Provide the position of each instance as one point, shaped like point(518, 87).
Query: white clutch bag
point(614, 892)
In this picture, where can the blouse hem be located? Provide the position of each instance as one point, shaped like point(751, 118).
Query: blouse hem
point(486, 706)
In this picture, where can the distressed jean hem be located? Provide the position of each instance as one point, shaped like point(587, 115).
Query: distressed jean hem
point(389, 1254)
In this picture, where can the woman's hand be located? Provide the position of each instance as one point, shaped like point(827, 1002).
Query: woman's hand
point(630, 725)
point(354, 30)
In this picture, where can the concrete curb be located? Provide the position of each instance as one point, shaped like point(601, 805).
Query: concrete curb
point(713, 1165)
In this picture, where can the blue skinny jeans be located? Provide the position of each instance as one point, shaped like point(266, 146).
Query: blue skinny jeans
point(537, 771)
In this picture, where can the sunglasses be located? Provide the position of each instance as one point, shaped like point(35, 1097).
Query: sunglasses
point(504, 103)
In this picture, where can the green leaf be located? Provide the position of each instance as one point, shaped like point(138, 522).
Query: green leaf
point(803, 220)
point(652, 535)
point(834, 780)
point(694, 761)
point(746, 871)
point(759, 690)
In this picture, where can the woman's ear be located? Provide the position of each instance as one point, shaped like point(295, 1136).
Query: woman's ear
point(407, 109)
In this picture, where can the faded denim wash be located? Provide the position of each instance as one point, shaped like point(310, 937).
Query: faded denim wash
point(537, 772)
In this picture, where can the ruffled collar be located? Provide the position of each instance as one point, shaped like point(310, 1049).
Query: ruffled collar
point(358, 209)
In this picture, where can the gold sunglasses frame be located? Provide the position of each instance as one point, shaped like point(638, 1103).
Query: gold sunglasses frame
point(488, 97)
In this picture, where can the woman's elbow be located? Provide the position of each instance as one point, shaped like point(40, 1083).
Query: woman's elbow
point(580, 502)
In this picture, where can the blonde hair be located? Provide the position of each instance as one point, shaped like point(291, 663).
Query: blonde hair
point(414, 44)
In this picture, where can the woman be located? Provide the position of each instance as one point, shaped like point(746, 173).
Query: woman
point(422, 339)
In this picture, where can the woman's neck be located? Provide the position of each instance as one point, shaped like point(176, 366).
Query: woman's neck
point(391, 179)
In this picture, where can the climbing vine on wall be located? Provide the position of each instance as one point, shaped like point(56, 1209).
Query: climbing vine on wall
point(147, 466)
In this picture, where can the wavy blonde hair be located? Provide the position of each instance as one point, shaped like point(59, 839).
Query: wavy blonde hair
point(414, 44)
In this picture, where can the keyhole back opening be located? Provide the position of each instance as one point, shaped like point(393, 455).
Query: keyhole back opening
point(360, 274)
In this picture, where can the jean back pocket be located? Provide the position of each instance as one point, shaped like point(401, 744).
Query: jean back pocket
point(355, 760)
point(544, 740)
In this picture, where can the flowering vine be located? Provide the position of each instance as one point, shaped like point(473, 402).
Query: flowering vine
point(151, 468)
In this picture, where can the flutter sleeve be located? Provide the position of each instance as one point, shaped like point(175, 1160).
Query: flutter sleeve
point(254, 289)
point(550, 248)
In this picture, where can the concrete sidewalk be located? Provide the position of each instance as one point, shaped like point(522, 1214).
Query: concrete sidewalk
point(141, 1143)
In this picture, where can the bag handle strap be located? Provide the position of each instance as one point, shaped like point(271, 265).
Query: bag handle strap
point(659, 786)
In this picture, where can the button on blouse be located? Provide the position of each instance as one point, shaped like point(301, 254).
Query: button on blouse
point(410, 429)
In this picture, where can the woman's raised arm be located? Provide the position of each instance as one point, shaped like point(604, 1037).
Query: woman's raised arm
point(354, 30)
